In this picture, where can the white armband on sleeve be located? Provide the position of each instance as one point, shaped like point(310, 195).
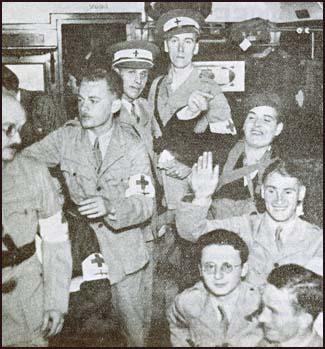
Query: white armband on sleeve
point(53, 229)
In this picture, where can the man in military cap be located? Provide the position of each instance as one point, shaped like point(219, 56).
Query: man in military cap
point(108, 175)
point(132, 60)
point(34, 296)
point(186, 93)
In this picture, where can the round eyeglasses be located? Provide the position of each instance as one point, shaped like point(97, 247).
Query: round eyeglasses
point(211, 268)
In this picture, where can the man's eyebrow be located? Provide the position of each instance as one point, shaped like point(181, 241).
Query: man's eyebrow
point(270, 186)
point(270, 116)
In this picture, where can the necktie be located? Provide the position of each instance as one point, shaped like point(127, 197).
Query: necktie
point(133, 112)
point(277, 237)
point(98, 154)
point(224, 324)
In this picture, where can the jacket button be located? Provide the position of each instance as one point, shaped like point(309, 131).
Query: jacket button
point(100, 225)
point(74, 174)
point(99, 188)
point(25, 211)
point(276, 265)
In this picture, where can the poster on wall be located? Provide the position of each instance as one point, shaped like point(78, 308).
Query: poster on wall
point(230, 75)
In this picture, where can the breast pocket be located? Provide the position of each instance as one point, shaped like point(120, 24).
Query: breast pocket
point(77, 177)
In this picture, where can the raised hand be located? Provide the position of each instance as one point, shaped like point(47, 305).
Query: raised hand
point(204, 178)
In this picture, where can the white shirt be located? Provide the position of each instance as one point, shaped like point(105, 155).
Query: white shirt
point(102, 139)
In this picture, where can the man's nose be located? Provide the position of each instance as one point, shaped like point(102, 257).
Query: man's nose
point(16, 139)
point(180, 47)
point(218, 274)
point(279, 198)
point(138, 79)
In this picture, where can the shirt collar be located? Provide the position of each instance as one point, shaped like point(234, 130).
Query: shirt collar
point(229, 301)
point(287, 227)
point(103, 139)
point(299, 341)
point(127, 104)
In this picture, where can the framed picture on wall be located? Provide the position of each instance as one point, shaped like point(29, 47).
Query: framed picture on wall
point(230, 75)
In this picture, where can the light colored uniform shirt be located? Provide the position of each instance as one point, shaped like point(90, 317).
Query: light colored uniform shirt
point(302, 244)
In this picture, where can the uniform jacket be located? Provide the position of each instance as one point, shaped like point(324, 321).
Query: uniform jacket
point(144, 126)
point(121, 240)
point(304, 246)
point(193, 320)
point(29, 194)
point(171, 101)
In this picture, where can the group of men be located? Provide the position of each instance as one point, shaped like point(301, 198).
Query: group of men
point(115, 159)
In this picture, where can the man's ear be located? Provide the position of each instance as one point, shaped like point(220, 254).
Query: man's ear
point(302, 193)
point(116, 106)
point(279, 128)
point(196, 49)
point(244, 270)
point(165, 46)
point(262, 191)
point(117, 70)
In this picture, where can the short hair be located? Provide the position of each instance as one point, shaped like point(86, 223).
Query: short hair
point(286, 168)
point(113, 80)
point(9, 79)
point(304, 284)
point(222, 237)
point(266, 98)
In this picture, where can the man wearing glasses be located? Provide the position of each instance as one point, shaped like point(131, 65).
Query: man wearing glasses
point(35, 296)
point(218, 310)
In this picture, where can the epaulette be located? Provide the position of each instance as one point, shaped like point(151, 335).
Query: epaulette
point(73, 122)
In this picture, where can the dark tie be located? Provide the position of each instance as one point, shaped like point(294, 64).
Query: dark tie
point(98, 154)
point(133, 112)
point(277, 237)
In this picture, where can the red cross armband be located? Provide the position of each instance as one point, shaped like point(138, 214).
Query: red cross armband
point(140, 184)
point(94, 267)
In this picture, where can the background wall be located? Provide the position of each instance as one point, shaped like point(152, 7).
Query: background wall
point(24, 12)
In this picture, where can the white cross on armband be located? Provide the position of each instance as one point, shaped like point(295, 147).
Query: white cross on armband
point(140, 184)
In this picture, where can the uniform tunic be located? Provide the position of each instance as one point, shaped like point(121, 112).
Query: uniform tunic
point(29, 194)
point(195, 321)
point(122, 241)
point(168, 103)
point(303, 244)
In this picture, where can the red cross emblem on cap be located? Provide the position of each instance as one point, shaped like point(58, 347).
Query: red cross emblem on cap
point(177, 21)
point(136, 53)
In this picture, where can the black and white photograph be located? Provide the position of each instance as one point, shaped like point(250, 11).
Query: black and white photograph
point(162, 174)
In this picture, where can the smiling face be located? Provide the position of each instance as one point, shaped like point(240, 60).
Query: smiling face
point(281, 195)
point(134, 81)
point(220, 258)
point(261, 126)
point(181, 49)
point(13, 119)
point(280, 320)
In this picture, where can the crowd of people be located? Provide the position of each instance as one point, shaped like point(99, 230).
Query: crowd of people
point(134, 175)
